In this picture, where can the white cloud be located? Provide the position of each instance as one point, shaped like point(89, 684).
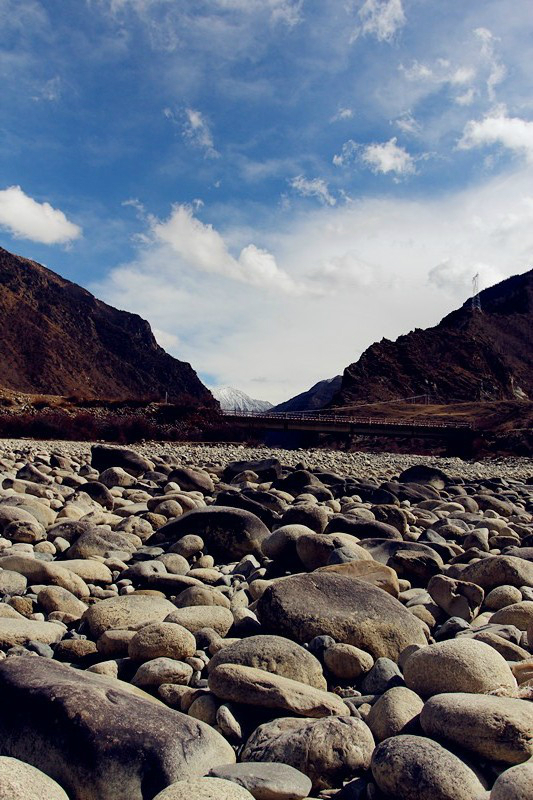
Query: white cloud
point(388, 157)
point(514, 133)
point(25, 218)
point(467, 98)
point(201, 247)
point(316, 187)
point(380, 18)
point(383, 266)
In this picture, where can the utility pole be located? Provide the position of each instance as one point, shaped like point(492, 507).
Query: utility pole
point(476, 300)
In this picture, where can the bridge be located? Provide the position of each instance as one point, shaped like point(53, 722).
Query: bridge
point(326, 422)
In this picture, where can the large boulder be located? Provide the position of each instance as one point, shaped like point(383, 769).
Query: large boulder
point(498, 571)
point(192, 480)
point(396, 711)
point(348, 609)
point(329, 751)
point(497, 728)
point(20, 781)
point(45, 572)
point(267, 469)
point(426, 475)
point(229, 533)
point(97, 739)
point(457, 665)
point(409, 767)
point(276, 655)
point(104, 456)
point(362, 528)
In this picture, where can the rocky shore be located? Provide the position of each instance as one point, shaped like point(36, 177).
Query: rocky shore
point(211, 622)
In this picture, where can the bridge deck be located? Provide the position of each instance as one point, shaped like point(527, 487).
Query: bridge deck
point(338, 423)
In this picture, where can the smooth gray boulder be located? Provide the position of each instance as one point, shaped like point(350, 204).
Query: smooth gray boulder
point(95, 737)
point(348, 609)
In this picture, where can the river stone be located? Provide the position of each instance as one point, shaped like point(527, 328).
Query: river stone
point(89, 570)
point(162, 640)
point(415, 768)
point(55, 598)
point(101, 543)
point(457, 665)
point(229, 533)
point(276, 655)
point(126, 612)
point(348, 609)
point(497, 728)
point(162, 670)
point(395, 712)
point(204, 789)
point(499, 570)
point(192, 480)
point(196, 617)
point(256, 687)
point(362, 528)
point(514, 784)
point(20, 631)
point(457, 598)
point(201, 596)
point(95, 738)
point(20, 781)
point(12, 583)
point(44, 572)
point(518, 614)
point(329, 751)
point(267, 781)
point(347, 662)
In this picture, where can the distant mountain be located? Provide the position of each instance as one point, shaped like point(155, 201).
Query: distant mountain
point(316, 397)
point(235, 400)
point(470, 355)
point(57, 338)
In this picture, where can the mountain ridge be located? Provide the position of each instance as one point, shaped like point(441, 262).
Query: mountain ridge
point(58, 338)
point(469, 355)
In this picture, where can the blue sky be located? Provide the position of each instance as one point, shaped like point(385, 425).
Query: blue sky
point(274, 184)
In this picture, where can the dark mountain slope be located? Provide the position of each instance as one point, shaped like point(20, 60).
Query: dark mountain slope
point(57, 338)
point(314, 398)
point(468, 356)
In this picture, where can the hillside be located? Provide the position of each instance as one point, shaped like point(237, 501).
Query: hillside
point(314, 398)
point(57, 338)
point(468, 356)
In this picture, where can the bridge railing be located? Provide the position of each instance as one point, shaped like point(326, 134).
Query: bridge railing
point(418, 422)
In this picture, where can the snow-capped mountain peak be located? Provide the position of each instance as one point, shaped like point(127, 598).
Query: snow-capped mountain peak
point(234, 400)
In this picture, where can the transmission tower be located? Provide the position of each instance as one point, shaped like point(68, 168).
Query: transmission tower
point(476, 300)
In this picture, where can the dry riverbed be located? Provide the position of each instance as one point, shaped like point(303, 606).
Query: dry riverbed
point(191, 622)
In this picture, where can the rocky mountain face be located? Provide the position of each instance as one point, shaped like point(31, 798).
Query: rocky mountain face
point(316, 397)
point(469, 356)
point(234, 400)
point(57, 338)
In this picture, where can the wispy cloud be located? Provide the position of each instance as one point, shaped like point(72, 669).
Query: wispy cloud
point(195, 129)
point(342, 114)
point(315, 187)
point(497, 70)
point(513, 133)
point(26, 218)
point(380, 18)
